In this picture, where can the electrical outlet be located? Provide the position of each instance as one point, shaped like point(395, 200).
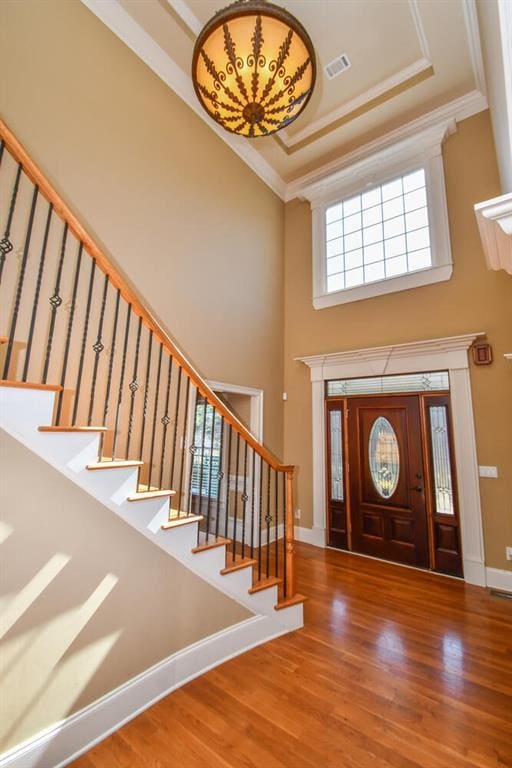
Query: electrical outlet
point(298, 513)
point(508, 553)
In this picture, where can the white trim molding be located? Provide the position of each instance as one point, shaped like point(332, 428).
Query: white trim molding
point(449, 354)
point(66, 740)
point(494, 219)
point(499, 579)
point(423, 150)
point(256, 405)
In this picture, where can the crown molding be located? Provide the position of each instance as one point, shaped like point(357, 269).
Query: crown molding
point(119, 21)
point(494, 219)
point(187, 16)
point(456, 110)
point(475, 45)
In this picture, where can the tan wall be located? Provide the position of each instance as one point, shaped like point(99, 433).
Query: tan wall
point(87, 602)
point(193, 228)
point(475, 299)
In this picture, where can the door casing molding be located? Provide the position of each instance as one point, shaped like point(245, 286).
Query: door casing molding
point(451, 354)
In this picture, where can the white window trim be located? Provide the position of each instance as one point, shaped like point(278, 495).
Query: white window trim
point(424, 150)
point(449, 354)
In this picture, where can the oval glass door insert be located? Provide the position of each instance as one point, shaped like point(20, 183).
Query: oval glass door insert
point(384, 457)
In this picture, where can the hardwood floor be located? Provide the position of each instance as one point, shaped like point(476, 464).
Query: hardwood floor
point(395, 668)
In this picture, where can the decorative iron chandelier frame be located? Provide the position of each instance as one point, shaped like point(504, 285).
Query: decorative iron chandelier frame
point(278, 104)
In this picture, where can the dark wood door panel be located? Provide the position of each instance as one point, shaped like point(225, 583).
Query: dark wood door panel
point(387, 495)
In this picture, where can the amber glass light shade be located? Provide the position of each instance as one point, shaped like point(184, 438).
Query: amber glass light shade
point(253, 68)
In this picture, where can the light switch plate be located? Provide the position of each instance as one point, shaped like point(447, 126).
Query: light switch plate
point(488, 471)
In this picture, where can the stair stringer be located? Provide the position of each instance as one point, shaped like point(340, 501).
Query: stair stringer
point(23, 410)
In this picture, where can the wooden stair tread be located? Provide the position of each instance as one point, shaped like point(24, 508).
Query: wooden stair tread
point(174, 522)
point(115, 464)
point(288, 601)
point(212, 543)
point(271, 581)
point(72, 429)
point(30, 385)
point(236, 564)
point(142, 495)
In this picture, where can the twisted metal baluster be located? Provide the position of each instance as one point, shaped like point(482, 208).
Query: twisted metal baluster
point(212, 444)
point(244, 499)
point(109, 375)
point(98, 348)
point(253, 483)
point(84, 342)
point(165, 420)
point(175, 435)
point(6, 245)
point(205, 407)
point(42, 260)
point(184, 443)
point(55, 302)
point(220, 476)
point(237, 465)
point(21, 280)
point(133, 387)
point(121, 380)
point(146, 393)
point(155, 410)
point(68, 333)
point(260, 514)
point(276, 522)
point(230, 431)
point(268, 519)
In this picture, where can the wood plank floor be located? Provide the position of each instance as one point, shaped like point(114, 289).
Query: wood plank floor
point(395, 668)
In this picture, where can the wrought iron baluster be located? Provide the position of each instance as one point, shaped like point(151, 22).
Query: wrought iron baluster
point(276, 521)
point(268, 520)
point(121, 380)
point(210, 465)
point(175, 435)
point(68, 333)
point(226, 511)
point(55, 302)
point(98, 348)
point(133, 387)
point(184, 446)
point(110, 371)
point(146, 395)
point(21, 280)
point(244, 498)
point(202, 457)
point(84, 342)
point(253, 500)
point(42, 260)
point(165, 420)
point(2, 147)
point(155, 411)
point(6, 245)
point(284, 532)
point(220, 476)
point(260, 516)
point(237, 465)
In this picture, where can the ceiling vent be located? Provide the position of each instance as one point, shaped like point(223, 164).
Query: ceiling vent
point(337, 66)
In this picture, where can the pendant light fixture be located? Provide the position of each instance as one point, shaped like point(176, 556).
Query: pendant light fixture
point(253, 68)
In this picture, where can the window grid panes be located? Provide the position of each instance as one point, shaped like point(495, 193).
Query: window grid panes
point(378, 234)
point(443, 485)
point(206, 453)
point(411, 382)
point(336, 445)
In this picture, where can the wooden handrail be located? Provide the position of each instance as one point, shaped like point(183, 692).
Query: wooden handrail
point(128, 293)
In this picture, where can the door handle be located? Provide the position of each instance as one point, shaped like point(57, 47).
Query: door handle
point(418, 488)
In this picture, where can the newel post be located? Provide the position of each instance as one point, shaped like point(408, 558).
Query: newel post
point(290, 545)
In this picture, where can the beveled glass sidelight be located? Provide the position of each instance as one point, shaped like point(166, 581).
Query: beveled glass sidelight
point(336, 446)
point(253, 68)
point(441, 460)
point(384, 457)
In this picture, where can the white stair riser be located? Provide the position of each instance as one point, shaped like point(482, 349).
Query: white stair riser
point(21, 409)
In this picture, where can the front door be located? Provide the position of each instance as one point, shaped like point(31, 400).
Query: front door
point(386, 483)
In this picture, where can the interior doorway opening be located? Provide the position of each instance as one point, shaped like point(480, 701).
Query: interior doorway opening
point(391, 486)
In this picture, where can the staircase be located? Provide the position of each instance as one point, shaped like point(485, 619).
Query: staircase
point(94, 385)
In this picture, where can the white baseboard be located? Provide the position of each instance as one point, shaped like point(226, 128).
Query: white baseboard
point(474, 572)
point(63, 742)
point(499, 579)
point(314, 536)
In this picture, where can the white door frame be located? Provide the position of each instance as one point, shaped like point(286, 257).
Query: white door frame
point(450, 354)
point(256, 406)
